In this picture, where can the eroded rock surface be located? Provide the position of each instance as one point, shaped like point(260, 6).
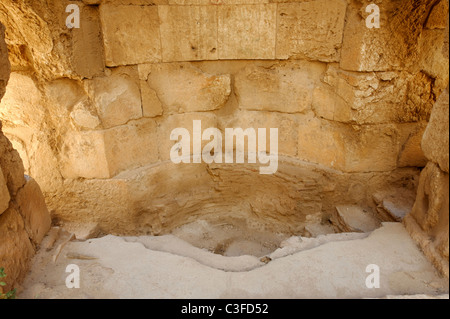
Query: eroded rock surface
point(24, 218)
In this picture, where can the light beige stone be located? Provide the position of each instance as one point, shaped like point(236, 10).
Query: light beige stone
point(411, 153)
point(130, 34)
point(247, 31)
point(19, 109)
point(63, 95)
point(34, 211)
point(369, 98)
point(116, 97)
point(104, 154)
point(281, 88)
point(83, 155)
point(44, 164)
point(321, 142)
point(393, 46)
point(167, 124)
point(435, 143)
point(310, 30)
point(428, 221)
point(91, 201)
point(84, 116)
point(350, 149)
point(287, 125)
point(182, 88)
point(349, 218)
point(371, 148)
point(188, 33)
point(131, 146)
point(151, 105)
point(433, 59)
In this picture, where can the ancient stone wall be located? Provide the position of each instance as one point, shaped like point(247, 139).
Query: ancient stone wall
point(351, 104)
point(24, 218)
point(428, 221)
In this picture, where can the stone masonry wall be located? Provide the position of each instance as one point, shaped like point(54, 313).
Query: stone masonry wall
point(351, 104)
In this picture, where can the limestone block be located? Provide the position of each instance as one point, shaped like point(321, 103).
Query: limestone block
point(362, 48)
point(88, 57)
point(428, 221)
point(393, 46)
point(247, 31)
point(63, 95)
point(369, 98)
point(393, 204)
point(435, 143)
point(182, 88)
point(132, 145)
point(4, 194)
point(368, 148)
point(349, 218)
point(33, 210)
point(130, 34)
point(371, 148)
point(188, 33)
point(83, 154)
point(282, 88)
point(433, 59)
point(151, 105)
point(84, 116)
point(94, 201)
point(411, 153)
point(117, 97)
point(321, 142)
point(19, 109)
point(44, 165)
point(167, 124)
point(287, 125)
point(310, 30)
point(105, 153)
point(16, 249)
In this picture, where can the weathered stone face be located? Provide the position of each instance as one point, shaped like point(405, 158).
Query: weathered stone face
point(24, 218)
point(182, 88)
point(311, 30)
point(435, 140)
point(91, 110)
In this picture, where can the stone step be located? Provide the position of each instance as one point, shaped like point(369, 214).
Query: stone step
point(395, 204)
point(351, 218)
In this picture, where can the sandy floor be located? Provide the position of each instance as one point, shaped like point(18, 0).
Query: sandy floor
point(329, 266)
